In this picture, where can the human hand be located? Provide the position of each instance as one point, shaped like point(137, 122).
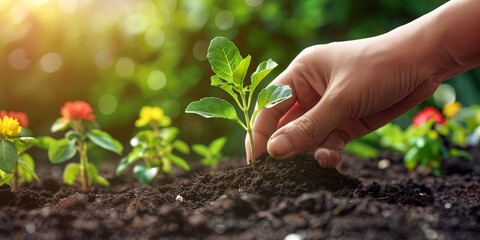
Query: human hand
point(341, 91)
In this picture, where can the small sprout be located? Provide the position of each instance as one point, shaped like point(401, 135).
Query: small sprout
point(230, 69)
point(155, 146)
point(16, 166)
point(211, 154)
point(78, 116)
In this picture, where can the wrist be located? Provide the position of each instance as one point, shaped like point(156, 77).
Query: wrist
point(446, 41)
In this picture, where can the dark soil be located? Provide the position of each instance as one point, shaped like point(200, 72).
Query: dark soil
point(292, 199)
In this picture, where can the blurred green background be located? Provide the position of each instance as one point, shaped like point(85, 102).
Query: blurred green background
point(119, 55)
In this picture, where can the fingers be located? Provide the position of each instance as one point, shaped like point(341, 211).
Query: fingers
point(265, 125)
point(328, 154)
point(307, 131)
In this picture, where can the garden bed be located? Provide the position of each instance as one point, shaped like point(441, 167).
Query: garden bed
point(375, 199)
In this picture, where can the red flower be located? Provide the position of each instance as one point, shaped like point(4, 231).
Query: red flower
point(77, 110)
point(21, 117)
point(427, 114)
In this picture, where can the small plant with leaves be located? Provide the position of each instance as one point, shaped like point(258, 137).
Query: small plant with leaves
point(230, 69)
point(79, 118)
point(16, 165)
point(211, 154)
point(155, 146)
point(430, 138)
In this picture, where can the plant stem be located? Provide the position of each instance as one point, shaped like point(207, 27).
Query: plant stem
point(82, 148)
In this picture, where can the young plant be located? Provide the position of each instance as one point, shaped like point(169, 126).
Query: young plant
point(155, 146)
point(16, 166)
point(78, 116)
point(430, 138)
point(230, 69)
point(211, 154)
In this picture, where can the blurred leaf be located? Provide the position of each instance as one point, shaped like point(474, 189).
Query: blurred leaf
point(145, 174)
point(59, 125)
point(178, 161)
point(105, 141)
point(61, 150)
point(27, 168)
point(8, 155)
point(181, 146)
point(70, 173)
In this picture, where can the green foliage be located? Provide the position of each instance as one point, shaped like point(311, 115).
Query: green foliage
point(211, 154)
point(230, 69)
point(82, 134)
point(155, 147)
point(8, 155)
point(424, 145)
point(16, 166)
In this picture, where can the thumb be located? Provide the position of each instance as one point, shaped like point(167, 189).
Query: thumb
point(306, 132)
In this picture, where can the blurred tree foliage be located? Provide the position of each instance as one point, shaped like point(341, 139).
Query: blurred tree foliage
point(122, 54)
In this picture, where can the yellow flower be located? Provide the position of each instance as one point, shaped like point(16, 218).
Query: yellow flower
point(149, 115)
point(452, 109)
point(10, 127)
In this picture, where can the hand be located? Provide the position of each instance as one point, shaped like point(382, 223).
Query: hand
point(341, 91)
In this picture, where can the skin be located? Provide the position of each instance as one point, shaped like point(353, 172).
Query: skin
point(345, 90)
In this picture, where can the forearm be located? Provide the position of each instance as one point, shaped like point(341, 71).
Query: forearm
point(446, 41)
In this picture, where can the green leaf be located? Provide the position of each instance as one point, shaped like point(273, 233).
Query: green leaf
point(178, 161)
point(271, 96)
point(61, 150)
point(142, 138)
point(132, 157)
point(73, 135)
point(361, 150)
point(217, 145)
point(224, 57)
point(410, 159)
point(94, 176)
point(145, 174)
point(212, 107)
point(27, 168)
point(29, 140)
point(71, 172)
point(59, 125)
point(227, 87)
point(241, 71)
point(45, 142)
point(201, 150)
point(181, 146)
point(105, 141)
point(101, 181)
point(8, 155)
point(262, 71)
point(168, 134)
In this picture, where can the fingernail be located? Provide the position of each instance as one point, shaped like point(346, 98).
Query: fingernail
point(279, 146)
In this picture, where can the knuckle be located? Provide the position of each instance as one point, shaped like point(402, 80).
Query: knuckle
point(307, 129)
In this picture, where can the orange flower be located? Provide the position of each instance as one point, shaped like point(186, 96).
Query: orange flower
point(427, 114)
point(21, 117)
point(77, 110)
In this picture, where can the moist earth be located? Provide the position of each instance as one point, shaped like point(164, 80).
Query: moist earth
point(288, 199)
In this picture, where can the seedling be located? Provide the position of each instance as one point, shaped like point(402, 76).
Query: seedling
point(211, 154)
point(16, 166)
point(230, 69)
point(155, 146)
point(79, 118)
